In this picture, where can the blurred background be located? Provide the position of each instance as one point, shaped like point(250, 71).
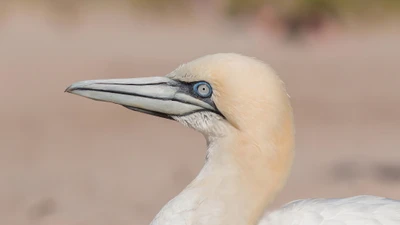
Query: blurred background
point(69, 160)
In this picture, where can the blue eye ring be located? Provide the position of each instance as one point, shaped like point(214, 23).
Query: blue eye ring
point(203, 89)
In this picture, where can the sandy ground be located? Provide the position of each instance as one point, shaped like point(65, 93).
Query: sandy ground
point(69, 160)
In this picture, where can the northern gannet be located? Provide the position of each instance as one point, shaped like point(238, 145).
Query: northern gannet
point(242, 108)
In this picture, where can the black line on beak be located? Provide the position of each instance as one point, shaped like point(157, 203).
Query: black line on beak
point(136, 95)
point(149, 84)
point(158, 114)
point(121, 93)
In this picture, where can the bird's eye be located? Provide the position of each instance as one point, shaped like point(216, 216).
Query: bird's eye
point(203, 89)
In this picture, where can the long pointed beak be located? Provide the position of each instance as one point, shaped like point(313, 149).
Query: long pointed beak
point(159, 96)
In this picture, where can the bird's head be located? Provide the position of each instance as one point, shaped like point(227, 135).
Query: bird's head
point(215, 94)
point(239, 104)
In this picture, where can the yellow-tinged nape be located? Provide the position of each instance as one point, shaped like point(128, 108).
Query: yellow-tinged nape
point(258, 139)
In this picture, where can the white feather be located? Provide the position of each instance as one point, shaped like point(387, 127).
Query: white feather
point(358, 210)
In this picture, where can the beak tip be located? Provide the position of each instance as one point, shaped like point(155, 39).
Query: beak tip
point(69, 89)
point(80, 84)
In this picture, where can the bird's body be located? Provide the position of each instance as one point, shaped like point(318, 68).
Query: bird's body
point(358, 210)
point(241, 107)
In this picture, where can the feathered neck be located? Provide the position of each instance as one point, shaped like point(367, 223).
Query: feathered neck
point(242, 175)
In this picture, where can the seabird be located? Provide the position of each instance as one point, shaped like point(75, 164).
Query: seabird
point(242, 108)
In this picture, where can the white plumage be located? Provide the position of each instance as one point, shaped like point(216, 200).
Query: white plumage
point(358, 210)
point(242, 108)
